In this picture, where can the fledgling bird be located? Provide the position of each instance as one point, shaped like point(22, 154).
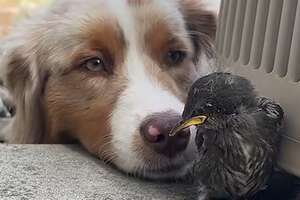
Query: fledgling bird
point(238, 135)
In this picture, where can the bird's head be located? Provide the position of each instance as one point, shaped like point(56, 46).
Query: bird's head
point(213, 99)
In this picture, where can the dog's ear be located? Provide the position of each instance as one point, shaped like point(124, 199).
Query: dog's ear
point(201, 25)
point(25, 81)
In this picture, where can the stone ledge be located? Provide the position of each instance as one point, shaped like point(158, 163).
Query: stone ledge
point(68, 172)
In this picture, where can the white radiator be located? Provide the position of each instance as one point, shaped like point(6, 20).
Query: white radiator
point(260, 39)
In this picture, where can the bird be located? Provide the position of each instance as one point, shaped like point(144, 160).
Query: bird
point(238, 135)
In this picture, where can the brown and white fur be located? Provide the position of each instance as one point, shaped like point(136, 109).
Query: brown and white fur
point(57, 101)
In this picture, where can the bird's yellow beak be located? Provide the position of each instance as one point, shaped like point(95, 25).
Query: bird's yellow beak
point(198, 120)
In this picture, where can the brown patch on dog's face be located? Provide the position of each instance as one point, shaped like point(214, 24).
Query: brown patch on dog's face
point(108, 38)
point(176, 76)
point(160, 44)
point(202, 26)
point(79, 101)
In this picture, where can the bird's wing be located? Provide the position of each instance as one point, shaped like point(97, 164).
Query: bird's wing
point(272, 109)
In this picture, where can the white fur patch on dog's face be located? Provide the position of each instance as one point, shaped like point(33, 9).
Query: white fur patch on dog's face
point(141, 98)
point(145, 94)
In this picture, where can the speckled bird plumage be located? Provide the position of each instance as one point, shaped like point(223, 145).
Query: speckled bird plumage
point(239, 141)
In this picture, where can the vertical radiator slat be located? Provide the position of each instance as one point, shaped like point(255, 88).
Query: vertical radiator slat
point(238, 29)
point(285, 37)
point(271, 36)
point(248, 31)
point(229, 27)
point(294, 62)
point(221, 18)
point(259, 32)
point(222, 29)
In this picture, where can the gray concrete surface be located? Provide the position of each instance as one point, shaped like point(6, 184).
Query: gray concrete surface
point(68, 172)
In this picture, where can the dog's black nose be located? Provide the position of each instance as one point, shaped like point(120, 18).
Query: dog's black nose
point(155, 132)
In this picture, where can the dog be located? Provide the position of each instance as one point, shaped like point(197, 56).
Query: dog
point(111, 75)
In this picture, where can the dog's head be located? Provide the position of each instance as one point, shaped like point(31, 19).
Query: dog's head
point(112, 75)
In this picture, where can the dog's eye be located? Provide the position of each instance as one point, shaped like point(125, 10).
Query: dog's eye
point(96, 64)
point(175, 57)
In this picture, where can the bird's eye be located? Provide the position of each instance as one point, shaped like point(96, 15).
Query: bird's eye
point(94, 64)
point(175, 57)
point(209, 107)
